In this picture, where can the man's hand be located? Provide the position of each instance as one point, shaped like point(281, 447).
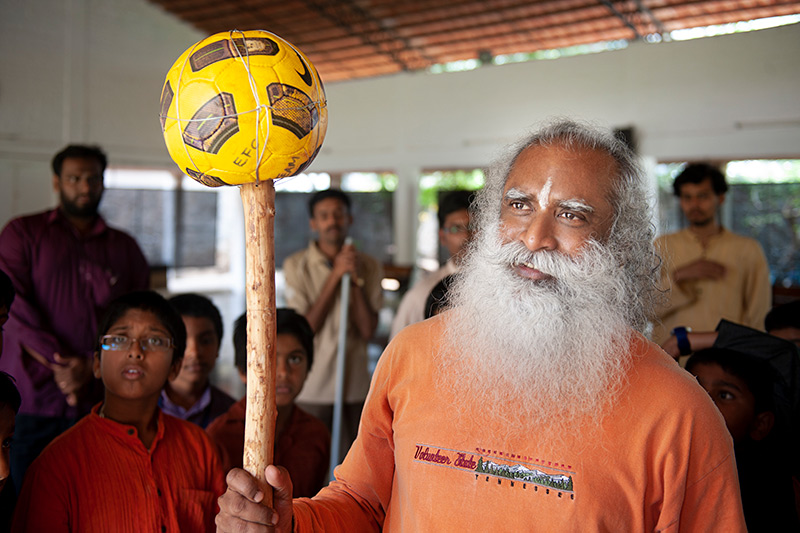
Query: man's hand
point(240, 509)
point(700, 269)
point(71, 374)
point(346, 262)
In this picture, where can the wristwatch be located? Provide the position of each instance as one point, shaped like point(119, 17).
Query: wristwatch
point(681, 334)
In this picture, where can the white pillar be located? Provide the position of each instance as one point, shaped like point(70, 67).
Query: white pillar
point(406, 207)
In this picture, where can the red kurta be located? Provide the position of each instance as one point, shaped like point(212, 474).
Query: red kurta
point(98, 476)
point(303, 448)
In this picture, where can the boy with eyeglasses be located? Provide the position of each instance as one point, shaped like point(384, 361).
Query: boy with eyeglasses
point(127, 467)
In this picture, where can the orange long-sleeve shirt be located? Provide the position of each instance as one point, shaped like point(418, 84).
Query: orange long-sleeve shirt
point(428, 459)
point(98, 476)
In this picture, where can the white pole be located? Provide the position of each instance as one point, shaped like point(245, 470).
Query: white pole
point(338, 404)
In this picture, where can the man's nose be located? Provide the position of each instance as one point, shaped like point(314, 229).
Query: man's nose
point(539, 233)
point(191, 348)
point(84, 185)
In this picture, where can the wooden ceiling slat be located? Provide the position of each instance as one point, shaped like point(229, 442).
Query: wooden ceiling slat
point(350, 39)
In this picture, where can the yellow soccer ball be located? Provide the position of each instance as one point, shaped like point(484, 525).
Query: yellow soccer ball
point(243, 106)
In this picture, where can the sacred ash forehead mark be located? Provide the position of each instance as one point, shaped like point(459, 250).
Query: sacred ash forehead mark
point(544, 194)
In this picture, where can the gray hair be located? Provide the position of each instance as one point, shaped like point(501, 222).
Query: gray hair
point(632, 231)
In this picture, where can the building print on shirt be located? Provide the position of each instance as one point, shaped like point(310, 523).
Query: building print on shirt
point(489, 467)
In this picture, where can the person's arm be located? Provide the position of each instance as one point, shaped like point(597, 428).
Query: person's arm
point(698, 340)
point(757, 291)
point(346, 261)
point(676, 297)
point(356, 501)
point(699, 269)
point(31, 327)
point(371, 290)
point(363, 316)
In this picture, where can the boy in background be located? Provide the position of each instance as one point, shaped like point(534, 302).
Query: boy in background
point(191, 396)
point(302, 442)
point(742, 386)
point(10, 402)
point(127, 467)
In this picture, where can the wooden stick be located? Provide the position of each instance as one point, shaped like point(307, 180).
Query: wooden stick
point(258, 201)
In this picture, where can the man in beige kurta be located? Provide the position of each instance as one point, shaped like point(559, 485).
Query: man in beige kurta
point(313, 288)
point(709, 273)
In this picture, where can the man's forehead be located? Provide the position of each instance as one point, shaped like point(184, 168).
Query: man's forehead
point(459, 213)
point(330, 204)
point(704, 185)
point(567, 173)
point(82, 162)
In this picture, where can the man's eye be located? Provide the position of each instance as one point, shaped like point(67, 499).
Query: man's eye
point(725, 395)
point(157, 342)
point(572, 216)
point(7, 443)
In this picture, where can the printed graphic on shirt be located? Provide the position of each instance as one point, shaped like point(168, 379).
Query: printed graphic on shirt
point(525, 472)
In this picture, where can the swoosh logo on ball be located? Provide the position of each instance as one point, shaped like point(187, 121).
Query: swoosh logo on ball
point(305, 75)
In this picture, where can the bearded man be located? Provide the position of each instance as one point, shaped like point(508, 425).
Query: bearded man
point(66, 265)
point(534, 404)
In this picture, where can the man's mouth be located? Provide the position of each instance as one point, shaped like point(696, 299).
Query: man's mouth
point(193, 367)
point(528, 270)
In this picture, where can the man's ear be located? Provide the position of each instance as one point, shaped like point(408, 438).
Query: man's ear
point(762, 425)
point(721, 199)
point(96, 365)
point(56, 184)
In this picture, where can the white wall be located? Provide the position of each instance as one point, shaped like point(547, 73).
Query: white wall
point(79, 71)
point(92, 70)
point(685, 99)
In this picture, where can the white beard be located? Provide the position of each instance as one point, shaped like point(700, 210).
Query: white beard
point(556, 350)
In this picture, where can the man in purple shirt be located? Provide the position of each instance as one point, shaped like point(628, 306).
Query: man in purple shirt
point(66, 265)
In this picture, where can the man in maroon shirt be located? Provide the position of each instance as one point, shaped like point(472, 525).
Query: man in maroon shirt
point(66, 265)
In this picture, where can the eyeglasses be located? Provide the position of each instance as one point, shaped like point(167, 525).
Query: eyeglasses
point(118, 343)
point(456, 229)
